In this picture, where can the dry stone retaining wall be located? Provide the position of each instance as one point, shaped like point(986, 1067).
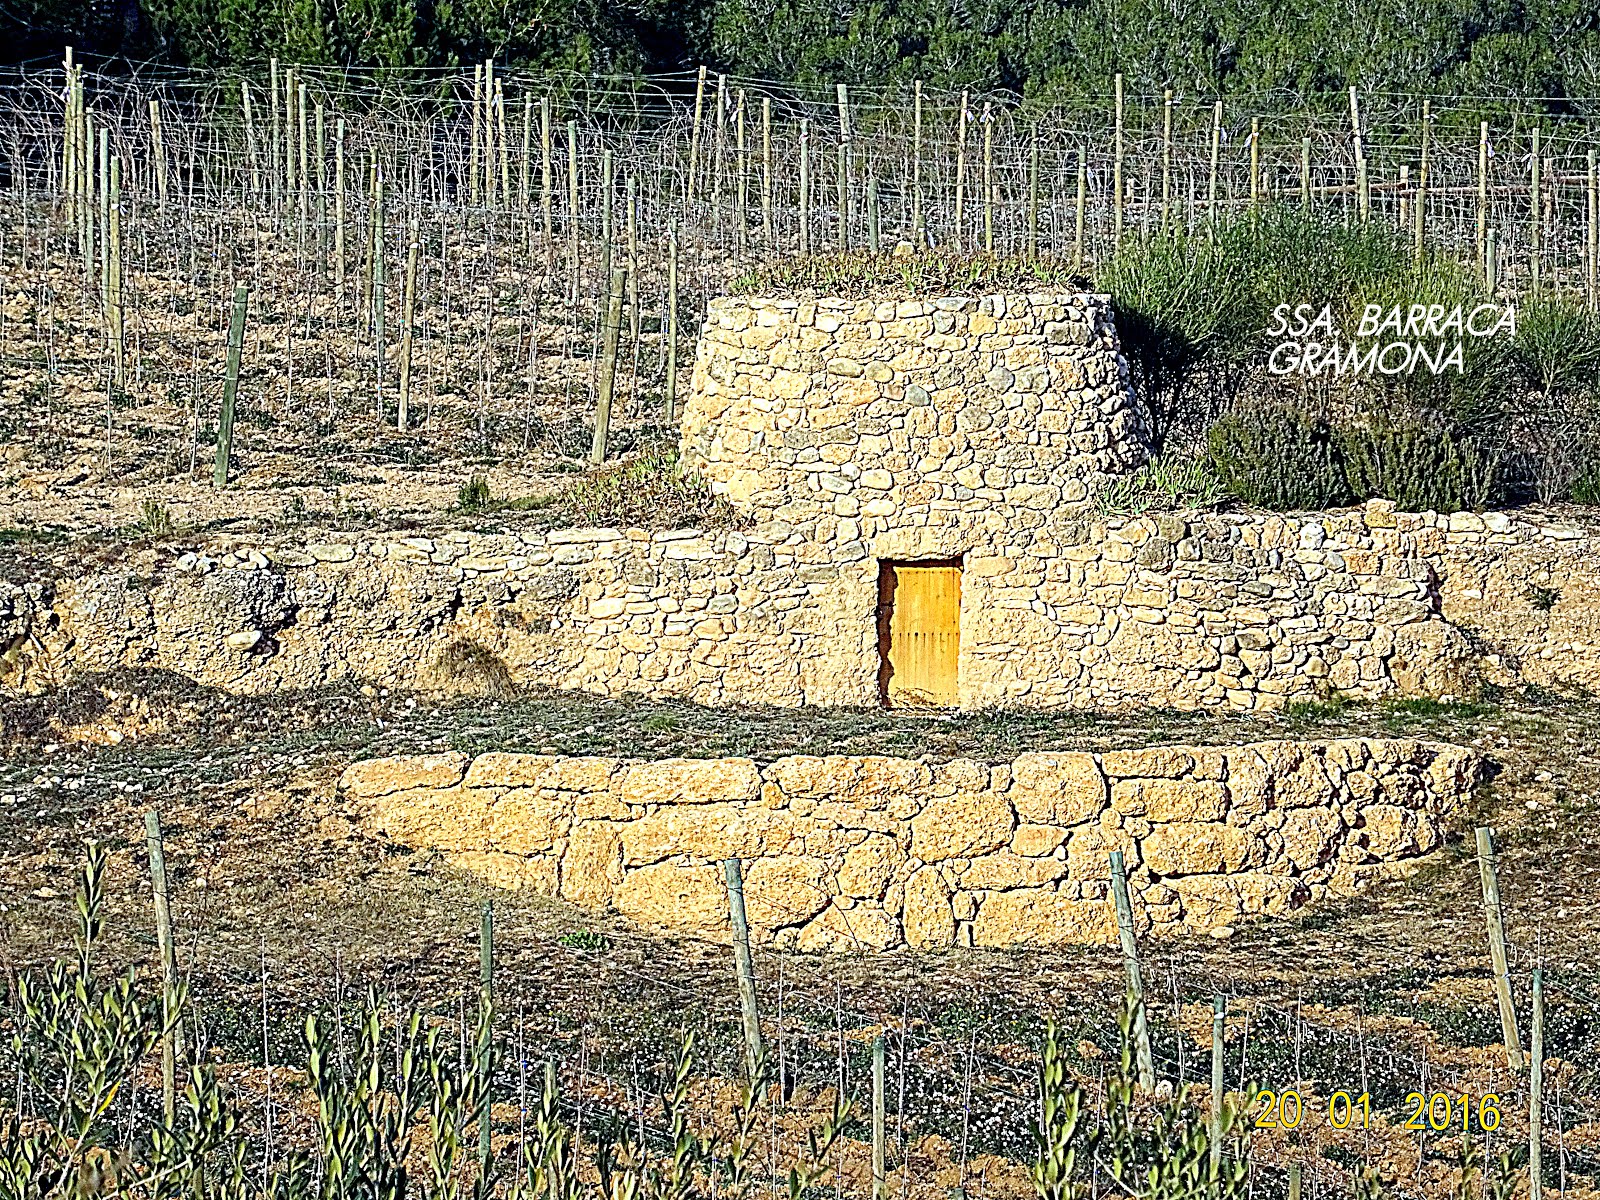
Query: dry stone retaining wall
point(1233, 610)
point(873, 853)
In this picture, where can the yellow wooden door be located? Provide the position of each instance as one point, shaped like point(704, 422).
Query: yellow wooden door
point(919, 630)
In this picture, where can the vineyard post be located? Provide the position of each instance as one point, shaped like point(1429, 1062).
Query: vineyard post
point(719, 110)
point(1592, 272)
point(1305, 173)
point(338, 206)
point(172, 1033)
point(1255, 162)
point(1080, 210)
point(1166, 159)
point(607, 232)
point(525, 169)
point(631, 204)
point(322, 189)
point(158, 157)
point(288, 137)
point(1219, 1016)
point(1130, 964)
point(961, 169)
point(694, 140)
point(1536, 1089)
point(1363, 192)
point(485, 1064)
point(274, 151)
point(230, 386)
point(407, 317)
point(1419, 217)
point(874, 232)
point(1535, 216)
point(1491, 263)
point(1116, 166)
point(251, 150)
point(302, 176)
point(844, 166)
point(1495, 925)
point(1294, 1181)
point(1483, 198)
point(766, 173)
point(1033, 193)
point(505, 145)
point(670, 388)
point(69, 152)
point(546, 196)
point(987, 120)
point(805, 185)
point(380, 287)
point(741, 228)
point(572, 204)
point(1402, 199)
point(878, 1172)
point(1216, 154)
point(755, 1053)
point(104, 196)
point(917, 234)
point(477, 133)
point(114, 269)
point(615, 286)
point(488, 132)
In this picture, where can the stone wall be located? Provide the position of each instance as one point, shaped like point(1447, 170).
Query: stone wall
point(849, 418)
point(873, 853)
point(1233, 610)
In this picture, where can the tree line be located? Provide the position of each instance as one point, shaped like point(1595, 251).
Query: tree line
point(1543, 51)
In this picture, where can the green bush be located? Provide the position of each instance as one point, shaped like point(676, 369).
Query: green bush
point(1421, 461)
point(1277, 456)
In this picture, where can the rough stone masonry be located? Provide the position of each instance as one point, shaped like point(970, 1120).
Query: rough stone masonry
point(873, 853)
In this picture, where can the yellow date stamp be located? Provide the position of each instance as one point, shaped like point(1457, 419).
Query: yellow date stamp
point(1436, 1111)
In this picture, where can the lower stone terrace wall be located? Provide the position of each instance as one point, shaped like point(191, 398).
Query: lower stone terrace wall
point(1233, 610)
point(872, 853)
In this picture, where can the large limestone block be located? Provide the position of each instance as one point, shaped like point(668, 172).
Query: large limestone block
point(1089, 849)
point(1387, 830)
point(1310, 836)
point(1057, 788)
point(676, 896)
point(1043, 917)
point(586, 773)
point(1007, 870)
point(380, 776)
point(1452, 774)
point(1213, 901)
point(524, 821)
point(1198, 847)
point(930, 923)
point(866, 781)
point(510, 770)
point(850, 931)
point(690, 781)
point(711, 832)
point(451, 818)
point(593, 866)
point(786, 889)
point(1170, 799)
point(961, 826)
point(1149, 762)
point(869, 867)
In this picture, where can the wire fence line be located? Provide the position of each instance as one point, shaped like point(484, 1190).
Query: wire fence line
point(521, 191)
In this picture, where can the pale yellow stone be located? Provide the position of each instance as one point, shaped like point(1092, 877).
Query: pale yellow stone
point(1170, 799)
point(690, 781)
point(676, 896)
point(711, 832)
point(1197, 847)
point(786, 889)
point(509, 770)
point(862, 928)
point(1036, 841)
point(1006, 870)
point(1042, 917)
point(592, 867)
point(929, 922)
point(380, 776)
point(452, 818)
point(869, 867)
point(1057, 788)
point(522, 821)
point(961, 826)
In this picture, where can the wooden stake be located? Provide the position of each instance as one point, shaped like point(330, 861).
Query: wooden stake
point(616, 285)
point(1219, 1016)
point(961, 171)
point(918, 234)
point(1535, 211)
point(1166, 160)
point(230, 386)
point(1033, 193)
point(1536, 1090)
point(1305, 173)
point(1592, 272)
point(1130, 965)
point(485, 1061)
point(694, 139)
point(275, 159)
point(546, 194)
point(1116, 166)
point(1255, 162)
point(878, 1164)
point(408, 318)
point(1216, 155)
point(1497, 946)
point(1483, 198)
point(755, 1052)
point(670, 388)
point(805, 186)
point(113, 241)
point(1420, 210)
point(1491, 263)
point(1080, 210)
point(844, 167)
point(766, 174)
point(172, 1036)
point(338, 206)
point(988, 178)
point(158, 157)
